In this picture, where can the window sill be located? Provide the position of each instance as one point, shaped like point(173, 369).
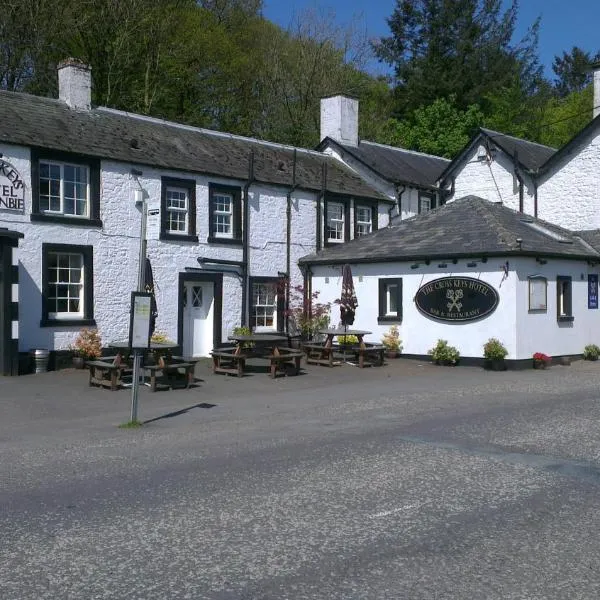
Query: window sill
point(173, 237)
point(68, 323)
point(40, 217)
point(565, 319)
point(390, 319)
point(223, 240)
point(329, 244)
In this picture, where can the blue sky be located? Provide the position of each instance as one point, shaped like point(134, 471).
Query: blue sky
point(565, 23)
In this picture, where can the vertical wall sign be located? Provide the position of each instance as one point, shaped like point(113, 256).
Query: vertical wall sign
point(592, 291)
point(12, 189)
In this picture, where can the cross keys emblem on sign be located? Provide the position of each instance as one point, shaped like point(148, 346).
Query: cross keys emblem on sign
point(454, 296)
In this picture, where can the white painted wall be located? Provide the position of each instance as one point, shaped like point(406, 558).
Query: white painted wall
point(419, 333)
point(541, 331)
point(569, 195)
point(116, 249)
point(522, 332)
point(492, 180)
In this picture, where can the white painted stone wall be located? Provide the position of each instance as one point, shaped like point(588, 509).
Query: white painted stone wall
point(569, 195)
point(339, 119)
point(541, 331)
point(492, 180)
point(116, 248)
point(419, 333)
point(522, 332)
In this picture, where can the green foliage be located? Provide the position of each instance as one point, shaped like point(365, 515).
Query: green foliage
point(131, 425)
point(347, 340)
point(591, 352)
point(573, 71)
point(242, 330)
point(87, 344)
point(442, 353)
point(494, 349)
point(307, 316)
point(439, 48)
point(391, 339)
point(440, 128)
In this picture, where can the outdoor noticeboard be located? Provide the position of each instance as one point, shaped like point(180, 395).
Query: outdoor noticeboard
point(139, 320)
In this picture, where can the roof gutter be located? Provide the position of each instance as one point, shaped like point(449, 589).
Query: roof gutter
point(288, 241)
point(519, 176)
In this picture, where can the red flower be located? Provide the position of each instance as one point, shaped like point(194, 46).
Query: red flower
point(542, 356)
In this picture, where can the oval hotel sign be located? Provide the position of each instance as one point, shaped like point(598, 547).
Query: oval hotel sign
point(456, 299)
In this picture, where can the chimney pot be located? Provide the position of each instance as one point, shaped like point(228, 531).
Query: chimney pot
point(75, 83)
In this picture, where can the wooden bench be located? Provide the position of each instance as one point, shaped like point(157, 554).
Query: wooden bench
point(107, 372)
point(225, 360)
point(319, 354)
point(286, 357)
point(171, 373)
point(370, 355)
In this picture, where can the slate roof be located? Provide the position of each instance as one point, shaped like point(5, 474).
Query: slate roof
point(396, 164)
point(530, 155)
point(468, 227)
point(100, 132)
point(590, 236)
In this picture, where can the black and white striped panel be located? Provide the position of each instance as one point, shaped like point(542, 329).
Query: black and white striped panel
point(14, 304)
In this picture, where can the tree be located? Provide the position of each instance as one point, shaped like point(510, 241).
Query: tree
point(439, 128)
point(573, 70)
point(463, 48)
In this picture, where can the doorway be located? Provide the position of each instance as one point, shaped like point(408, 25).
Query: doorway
point(200, 318)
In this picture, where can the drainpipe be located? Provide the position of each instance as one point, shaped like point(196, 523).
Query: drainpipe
point(519, 176)
point(288, 242)
point(399, 193)
point(246, 239)
point(320, 199)
point(535, 198)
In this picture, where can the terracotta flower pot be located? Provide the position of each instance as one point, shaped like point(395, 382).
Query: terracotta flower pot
point(539, 364)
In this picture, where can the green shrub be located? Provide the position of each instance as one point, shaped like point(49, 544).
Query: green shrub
point(347, 340)
point(391, 339)
point(494, 349)
point(591, 352)
point(444, 354)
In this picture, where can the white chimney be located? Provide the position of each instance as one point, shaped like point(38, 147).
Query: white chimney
point(339, 119)
point(75, 83)
point(596, 73)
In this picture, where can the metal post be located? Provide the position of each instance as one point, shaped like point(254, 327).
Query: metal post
point(137, 354)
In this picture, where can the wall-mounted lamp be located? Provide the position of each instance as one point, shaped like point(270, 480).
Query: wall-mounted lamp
point(415, 266)
point(484, 259)
point(136, 172)
point(427, 262)
point(454, 261)
point(541, 261)
point(519, 242)
point(443, 265)
point(471, 264)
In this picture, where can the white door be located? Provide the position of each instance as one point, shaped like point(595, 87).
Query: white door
point(198, 318)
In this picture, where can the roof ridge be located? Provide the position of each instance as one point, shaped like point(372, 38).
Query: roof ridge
point(399, 149)
point(514, 137)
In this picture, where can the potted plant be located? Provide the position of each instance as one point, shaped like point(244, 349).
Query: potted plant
point(494, 353)
point(391, 342)
point(541, 360)
point(347, 341)
point(161, 355)
point(591, 352)
point(87, 346)
point(306, 315)
point(443, 354)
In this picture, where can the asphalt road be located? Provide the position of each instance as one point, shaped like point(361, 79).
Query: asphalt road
point(441, 484)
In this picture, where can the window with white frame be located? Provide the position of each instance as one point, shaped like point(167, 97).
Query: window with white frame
point(264, 306)
point(364, 220)
point(335, 222)
point(64, 189)
point(222, 215)
point(65, 296)
point(426, 203)
point(177, 207)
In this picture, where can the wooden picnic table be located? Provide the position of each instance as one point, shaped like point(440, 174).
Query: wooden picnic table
point(322, 354)
point(272, 347)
